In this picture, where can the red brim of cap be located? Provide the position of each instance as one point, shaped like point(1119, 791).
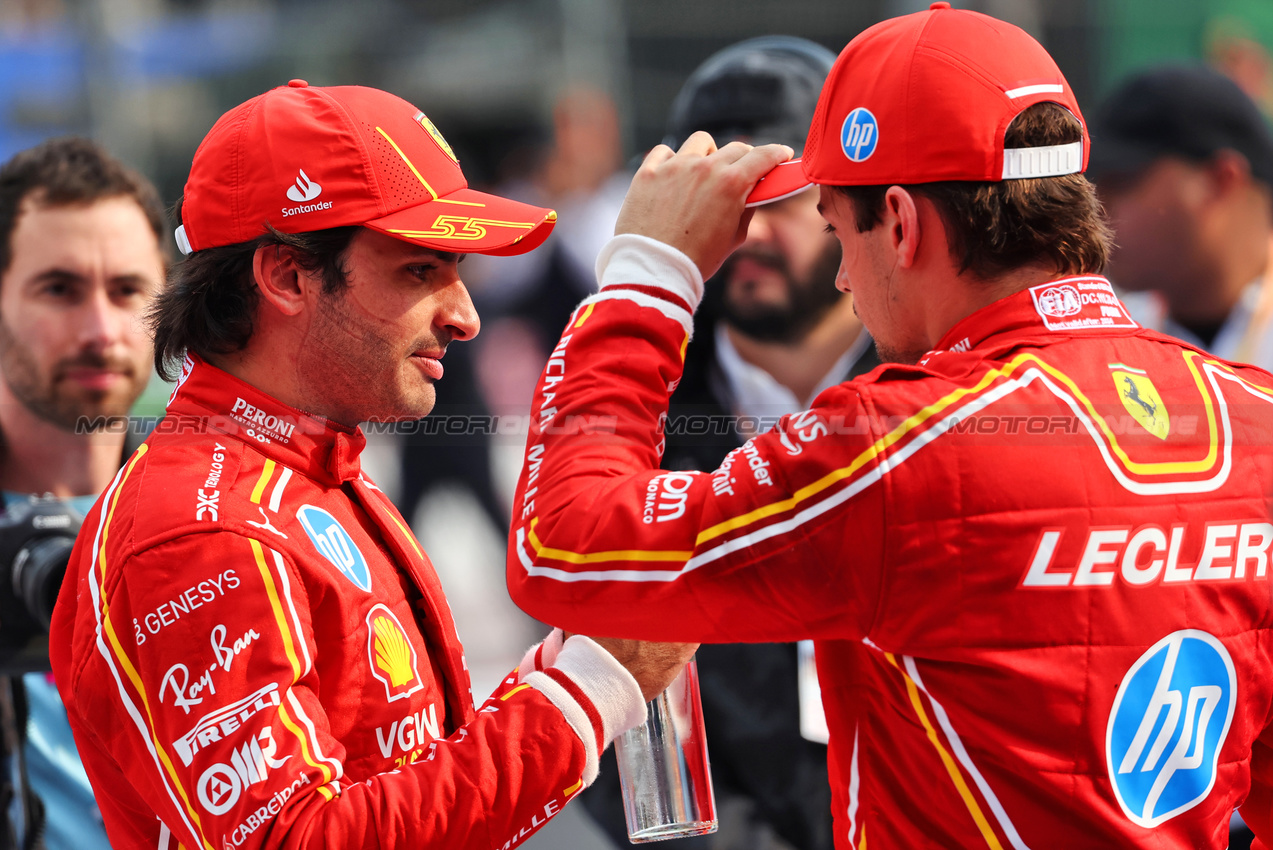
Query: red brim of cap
point(470, 222)
point(783, 180)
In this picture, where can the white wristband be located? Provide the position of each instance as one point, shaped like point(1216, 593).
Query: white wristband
point(613, 697)
point(640, 260)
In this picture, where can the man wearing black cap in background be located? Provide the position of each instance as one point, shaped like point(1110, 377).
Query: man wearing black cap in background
point(775, 332)
point(1183, 160)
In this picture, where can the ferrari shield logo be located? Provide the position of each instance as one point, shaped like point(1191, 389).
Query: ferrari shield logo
point(1141, 398)
point(423, 121)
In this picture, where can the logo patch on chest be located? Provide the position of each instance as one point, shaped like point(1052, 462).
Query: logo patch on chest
point(392, 657)
point(334, 543)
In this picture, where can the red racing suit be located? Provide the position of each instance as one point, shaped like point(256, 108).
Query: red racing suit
point(254, 652)
point(1035, 565)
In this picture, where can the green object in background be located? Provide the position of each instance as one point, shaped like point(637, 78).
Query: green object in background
point(1133, 34)
point(154, 400)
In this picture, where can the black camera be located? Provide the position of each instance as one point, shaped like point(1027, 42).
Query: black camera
point(36, 537)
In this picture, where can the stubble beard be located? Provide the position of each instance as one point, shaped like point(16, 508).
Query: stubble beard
point(360, 353)
point(905, 357)
point(45, 396)
point(808, 300)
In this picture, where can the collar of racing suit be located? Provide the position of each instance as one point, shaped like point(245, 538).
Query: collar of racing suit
point(322, 449)
point(1060, 306)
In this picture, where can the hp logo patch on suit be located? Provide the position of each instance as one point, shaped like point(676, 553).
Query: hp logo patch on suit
point(1168, 724)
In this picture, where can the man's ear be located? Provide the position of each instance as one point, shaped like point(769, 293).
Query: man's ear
point(901, 220)
point(283, 283)
point(1228, 170)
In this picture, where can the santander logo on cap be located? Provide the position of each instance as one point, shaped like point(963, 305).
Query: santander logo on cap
point(859, 134)
point(302, 192)
point(304, 189)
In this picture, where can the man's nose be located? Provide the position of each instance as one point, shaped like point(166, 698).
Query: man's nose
point(456, 313)
point(761, 228)
point(842, 278)
point(100, 322)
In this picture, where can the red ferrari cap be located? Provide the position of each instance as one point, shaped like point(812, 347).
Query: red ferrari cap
point(928, 97)
point(303, 158)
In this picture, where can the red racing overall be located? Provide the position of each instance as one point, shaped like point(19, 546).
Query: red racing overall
point(267, 657)
point(1035, 565)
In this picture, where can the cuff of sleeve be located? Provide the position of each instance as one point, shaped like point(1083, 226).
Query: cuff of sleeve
point(632, 260)
point(597, 695)
point(541, 655)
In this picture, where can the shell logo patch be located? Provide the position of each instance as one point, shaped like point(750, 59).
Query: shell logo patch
point(1141, 399)
point(423, 121)
point(392, 657)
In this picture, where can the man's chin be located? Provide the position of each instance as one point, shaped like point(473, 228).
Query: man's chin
point(897, 355)
point(86, 409)
point(419, 405)
point(84, 418)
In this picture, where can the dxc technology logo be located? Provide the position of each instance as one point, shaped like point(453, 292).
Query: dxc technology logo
point(334, 543)
point(304, 189)
point(1168, 723)
point(859, 134)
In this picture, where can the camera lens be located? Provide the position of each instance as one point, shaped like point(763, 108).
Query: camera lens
point(37, 574)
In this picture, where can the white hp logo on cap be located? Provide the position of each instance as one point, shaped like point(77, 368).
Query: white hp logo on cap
point(859, 134)
point(304, 189)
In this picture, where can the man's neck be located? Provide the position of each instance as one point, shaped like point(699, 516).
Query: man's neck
point(38, 457)
point(802, 364)
point(1209, 305)
point(1241, 246)
point(965, 295)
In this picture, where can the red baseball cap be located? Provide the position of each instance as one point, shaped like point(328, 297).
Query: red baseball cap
point(782, 181)
point(928, 97)
point(303, 158)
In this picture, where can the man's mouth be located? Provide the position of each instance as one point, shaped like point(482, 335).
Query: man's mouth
point(430, 363)
point(96, 375)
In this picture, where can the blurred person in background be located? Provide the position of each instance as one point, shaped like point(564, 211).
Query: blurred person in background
point(580, 173)
point(528, 297)
point(252, 647)
point(459, 466)
point(80, 262)
point(1183, 161)
point(1237, 36)
point(773, 333)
